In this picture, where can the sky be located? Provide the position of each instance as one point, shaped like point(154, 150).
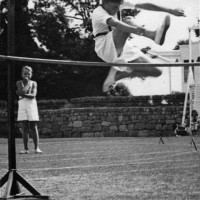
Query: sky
point(179, 25)
point(178, 31)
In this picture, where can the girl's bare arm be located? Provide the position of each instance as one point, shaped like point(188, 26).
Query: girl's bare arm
point(33, 92)
point(21, 89)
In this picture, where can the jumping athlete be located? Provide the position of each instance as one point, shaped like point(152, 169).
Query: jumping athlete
point(112, 43)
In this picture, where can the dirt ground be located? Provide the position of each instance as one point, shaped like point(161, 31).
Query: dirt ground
point(109, 168)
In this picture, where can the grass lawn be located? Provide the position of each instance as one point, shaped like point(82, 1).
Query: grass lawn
point(110, 168)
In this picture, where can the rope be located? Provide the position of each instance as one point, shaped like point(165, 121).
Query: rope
point(113, 164)
point(93, 155)
point(100, 64)
point(182, 167)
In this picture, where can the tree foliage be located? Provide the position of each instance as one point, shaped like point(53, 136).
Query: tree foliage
point(46, 30)
point(181, 42)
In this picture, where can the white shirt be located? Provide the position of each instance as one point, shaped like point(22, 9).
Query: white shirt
point(100, 17)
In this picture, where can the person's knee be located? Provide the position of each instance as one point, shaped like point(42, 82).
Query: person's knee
point(25, 126)
point(120, 35)
point(149, 70)
point(33, 126)
point(128, 20)
point(157, 72)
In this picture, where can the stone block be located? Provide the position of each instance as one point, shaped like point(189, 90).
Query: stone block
point(76, 130)
point(46, 131)
point(55, 134)
point(105, 123)
point(123, 128)
point(143, 133)
point(150, 126)
point(87, 124)
point(105, 128)
point(73, 118)
point(132, 133)
point(139, 126)
point(90, 134)
point(159, 127)
point(55, 128)
point(66, 134)
point(131, 127)
point(76, 135)
point(77, 124)
point(85, 129)
point(169, 121)
point(121, 134)
point(70, 124)
point(64, 128)
point(164, 127)
point(109, 134)
point(113, 128)
point(98, 134)
point(96, 127)
point(120, 118)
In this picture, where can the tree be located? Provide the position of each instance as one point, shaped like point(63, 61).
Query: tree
point(54, 31)
point(25, 44)
point(181, 42)
point(46, 31)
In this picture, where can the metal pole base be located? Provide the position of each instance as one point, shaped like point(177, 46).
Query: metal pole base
point(13, 190)
point(194, 144)
point(161, 140)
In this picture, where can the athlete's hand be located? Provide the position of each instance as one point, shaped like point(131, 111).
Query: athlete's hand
point(177, 12)
point(140, 30)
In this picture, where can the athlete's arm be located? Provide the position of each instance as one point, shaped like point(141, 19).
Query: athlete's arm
point(120, 25)
point(153, 7)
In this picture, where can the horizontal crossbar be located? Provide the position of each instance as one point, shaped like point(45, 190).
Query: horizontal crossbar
point(100, 64)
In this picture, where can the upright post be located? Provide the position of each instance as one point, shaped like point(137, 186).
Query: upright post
point(11, 86)
point(191, 80)
point(12, 177)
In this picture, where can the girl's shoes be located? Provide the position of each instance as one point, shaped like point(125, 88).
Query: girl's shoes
point(39, 151)
point(24, 152)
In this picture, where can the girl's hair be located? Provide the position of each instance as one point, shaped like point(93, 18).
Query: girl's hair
point(26, 68)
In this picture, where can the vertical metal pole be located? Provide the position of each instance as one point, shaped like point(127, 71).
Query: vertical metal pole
point(190, 75)
point(12, 177)
point(11, 86)
point(188, 83)
point(170, 81)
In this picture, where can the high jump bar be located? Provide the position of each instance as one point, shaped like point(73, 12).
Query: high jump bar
point(100, 64)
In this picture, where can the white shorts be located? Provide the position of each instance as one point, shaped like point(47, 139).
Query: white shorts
point(105, 49)
point(27, 110)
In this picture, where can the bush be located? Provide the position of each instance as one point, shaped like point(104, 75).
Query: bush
point(118, 90)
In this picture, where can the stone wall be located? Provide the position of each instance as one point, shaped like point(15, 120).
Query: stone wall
point(108, 122)
point(103, 117)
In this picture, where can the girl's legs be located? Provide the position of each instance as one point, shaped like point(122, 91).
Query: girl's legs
point(25, 135)
point(35, 135)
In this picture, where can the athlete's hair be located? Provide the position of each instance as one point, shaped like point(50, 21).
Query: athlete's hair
point(113, 1)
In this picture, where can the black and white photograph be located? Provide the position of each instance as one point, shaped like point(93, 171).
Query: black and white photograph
point(100, 99)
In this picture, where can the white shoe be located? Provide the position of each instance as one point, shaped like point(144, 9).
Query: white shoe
point(161, 32)
point(39, 151)
point(24, 152)
point(110, 80)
